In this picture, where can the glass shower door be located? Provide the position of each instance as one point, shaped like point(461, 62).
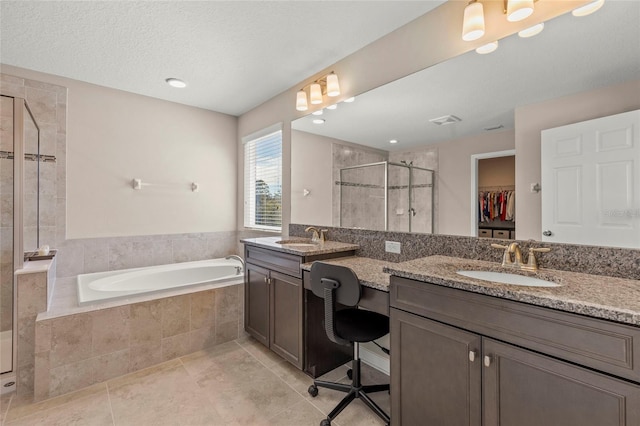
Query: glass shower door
point(6, 234)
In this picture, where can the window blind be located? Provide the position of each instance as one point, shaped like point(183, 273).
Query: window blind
point(263, 182)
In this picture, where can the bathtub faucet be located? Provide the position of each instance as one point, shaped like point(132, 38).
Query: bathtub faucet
point(239, 269)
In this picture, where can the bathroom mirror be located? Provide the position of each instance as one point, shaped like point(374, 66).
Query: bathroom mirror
point(571, 55)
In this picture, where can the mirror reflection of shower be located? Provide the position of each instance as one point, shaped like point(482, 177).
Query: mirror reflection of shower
point(387, 196)
point(19, 222)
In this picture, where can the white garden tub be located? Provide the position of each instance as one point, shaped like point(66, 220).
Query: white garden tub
point(106, 286)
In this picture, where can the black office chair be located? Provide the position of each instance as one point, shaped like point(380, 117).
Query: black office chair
point(350, 326)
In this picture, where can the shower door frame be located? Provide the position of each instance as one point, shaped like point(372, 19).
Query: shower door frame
point(19, 107)
point(386, 165)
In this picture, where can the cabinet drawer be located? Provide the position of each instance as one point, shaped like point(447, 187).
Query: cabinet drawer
point(286, 263)
point(501, 233)
point(485, 233)
point(606, 346)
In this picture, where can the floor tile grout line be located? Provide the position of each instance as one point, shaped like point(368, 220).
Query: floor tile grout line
point(6, 413)
point(113, 416)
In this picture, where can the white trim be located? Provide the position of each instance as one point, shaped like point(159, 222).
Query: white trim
point(474, 183)
point(261, 133)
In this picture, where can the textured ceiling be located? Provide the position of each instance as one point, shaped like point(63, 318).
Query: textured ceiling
point(571, 55)
point(234, 55)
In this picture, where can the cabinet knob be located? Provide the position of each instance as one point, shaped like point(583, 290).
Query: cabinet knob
point(487, 360)
point(472, 355)
point(266, 280)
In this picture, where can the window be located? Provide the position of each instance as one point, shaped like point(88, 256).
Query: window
point(263, 182)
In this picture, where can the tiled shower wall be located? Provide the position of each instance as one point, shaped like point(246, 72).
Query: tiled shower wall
point(362, 202)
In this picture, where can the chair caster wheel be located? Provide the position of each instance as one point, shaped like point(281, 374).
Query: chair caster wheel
point(350, 374)
point(313, 390)
point(325, 422)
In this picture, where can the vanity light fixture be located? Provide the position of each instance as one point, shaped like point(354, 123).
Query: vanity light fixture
point(176, 82)
point(473, 21)
point(532, 31)
point(517, 10)
point(318, 121)
point(328, 85)
point(487, 48)
point(588, 9)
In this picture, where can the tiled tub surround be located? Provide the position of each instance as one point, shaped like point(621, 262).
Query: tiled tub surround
point(77, 350)
point(83, 256)
point(34, 285)
point(593, 260)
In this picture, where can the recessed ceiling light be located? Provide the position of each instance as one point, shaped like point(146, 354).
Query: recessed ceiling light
point(318, 112)
point(393, 141)
point(176, 82)
point(531, 31)
point(318, 121)
point(487, 48)
point(349, 100)
point(334, 106)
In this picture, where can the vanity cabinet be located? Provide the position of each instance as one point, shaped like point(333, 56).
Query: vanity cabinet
point(276, 307)
point(273, 302)
point(460, 358)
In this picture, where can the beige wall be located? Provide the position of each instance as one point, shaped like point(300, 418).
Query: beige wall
point(426, 41)
point(453, 179)
point(497, 172)
point(114, 136)
point(530, 120)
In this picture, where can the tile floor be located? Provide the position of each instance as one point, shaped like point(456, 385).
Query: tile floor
point(236, 383)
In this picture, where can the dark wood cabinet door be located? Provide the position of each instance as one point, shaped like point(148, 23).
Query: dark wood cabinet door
point(435, 373)
point(286, 317)
point(523, 388)
point(256, 302)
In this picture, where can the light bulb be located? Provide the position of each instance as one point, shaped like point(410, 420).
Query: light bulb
point(587, 9)
point(517, 10)
point(333, 86)
point(301, 101)
point(315, 93)
point(487, 48)
point(473, 22)
point(531, 31)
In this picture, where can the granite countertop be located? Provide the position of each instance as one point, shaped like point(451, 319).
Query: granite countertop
point(615, 299)
point(301, 250)
point(369, 271)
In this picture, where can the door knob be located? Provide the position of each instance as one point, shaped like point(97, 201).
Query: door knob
point(547, 233)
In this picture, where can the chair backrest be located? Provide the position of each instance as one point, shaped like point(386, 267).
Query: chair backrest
point(334, 283)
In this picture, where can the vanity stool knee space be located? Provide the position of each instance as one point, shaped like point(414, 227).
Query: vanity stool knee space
point(350, 326)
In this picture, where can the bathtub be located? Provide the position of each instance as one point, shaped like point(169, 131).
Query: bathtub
point(106, 286)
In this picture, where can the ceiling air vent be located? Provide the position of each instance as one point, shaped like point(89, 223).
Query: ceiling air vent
point(496, 127)
point(447, 119)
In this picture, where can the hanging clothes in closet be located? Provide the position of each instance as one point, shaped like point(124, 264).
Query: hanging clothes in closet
point(496, 205)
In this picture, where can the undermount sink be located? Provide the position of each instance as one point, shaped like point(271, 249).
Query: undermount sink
point(296, 243)
point(507, 278)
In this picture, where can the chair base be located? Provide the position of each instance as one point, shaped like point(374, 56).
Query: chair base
point(353, 391)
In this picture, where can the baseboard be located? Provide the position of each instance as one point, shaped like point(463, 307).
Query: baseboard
point(379, 361)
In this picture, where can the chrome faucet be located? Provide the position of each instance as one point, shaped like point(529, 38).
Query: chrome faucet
point(318, 235)
point(239, 269)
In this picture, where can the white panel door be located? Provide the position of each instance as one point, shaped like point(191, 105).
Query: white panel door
point(591, 182)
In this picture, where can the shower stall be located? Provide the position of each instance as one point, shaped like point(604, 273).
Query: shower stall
point(387, 196)
point(19, 220)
